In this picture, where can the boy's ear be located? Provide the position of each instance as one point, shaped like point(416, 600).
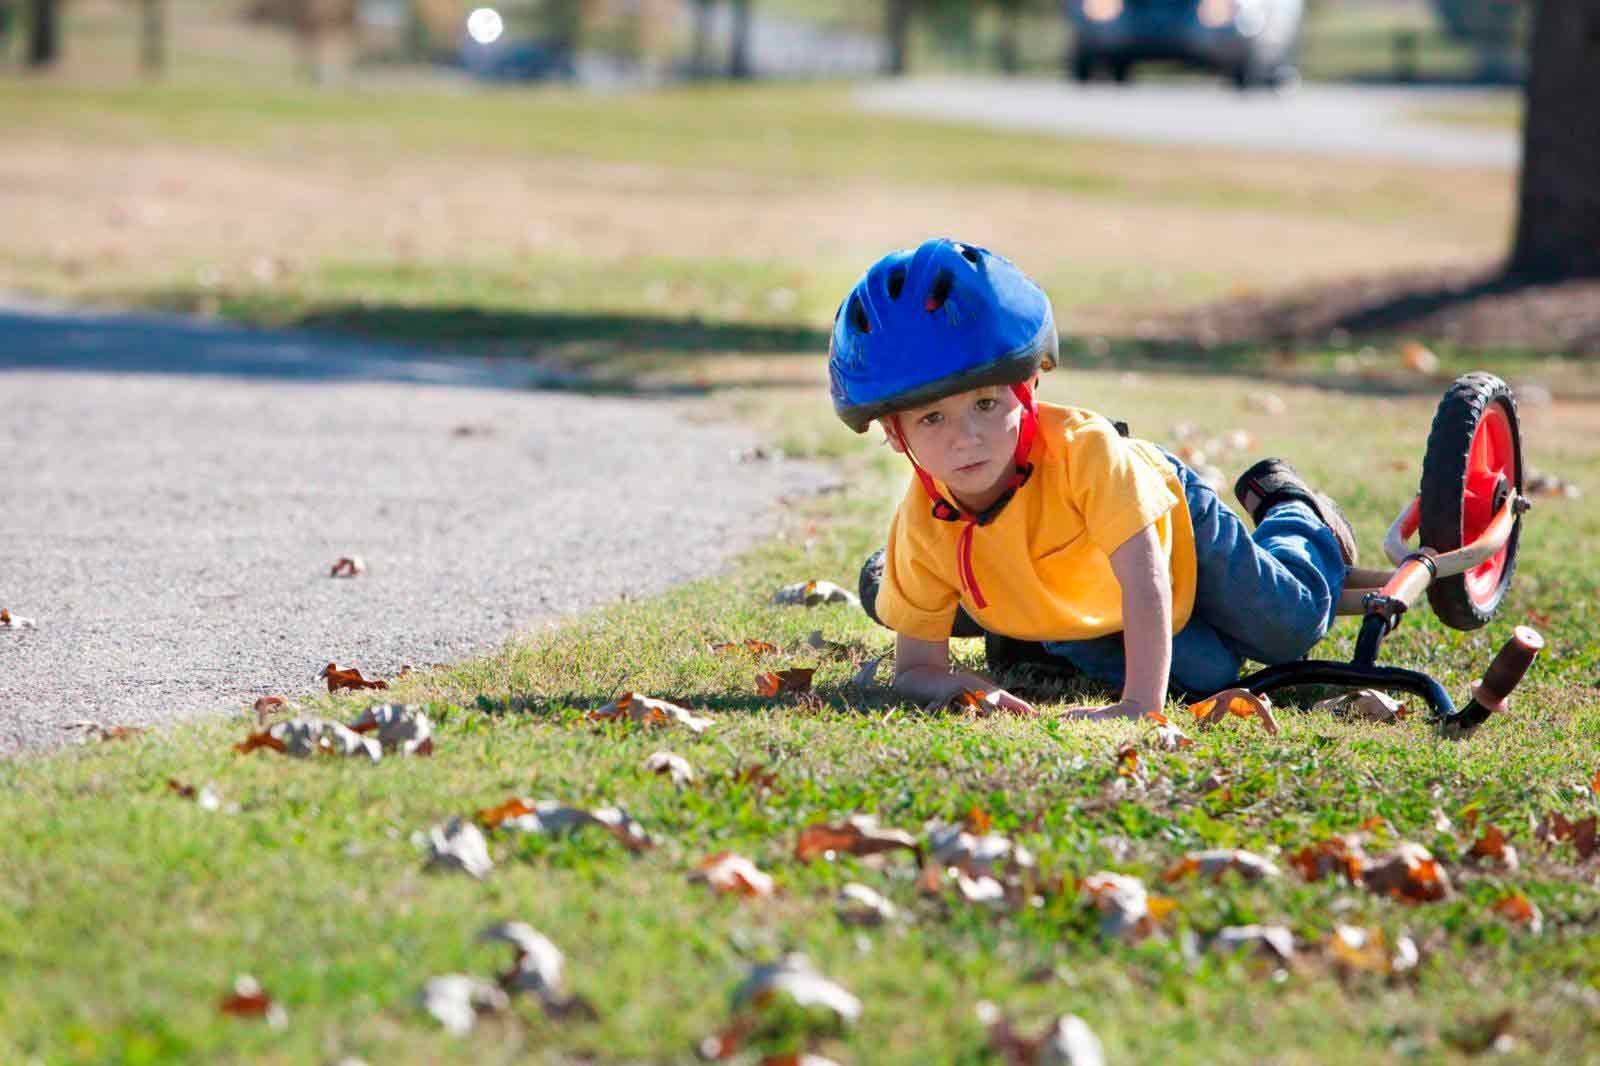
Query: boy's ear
point(889, 438)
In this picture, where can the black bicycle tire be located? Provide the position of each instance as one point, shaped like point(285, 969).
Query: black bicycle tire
point(1444, 472)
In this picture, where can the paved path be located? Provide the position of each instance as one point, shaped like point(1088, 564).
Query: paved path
point(1336, 120)
point(172, 495)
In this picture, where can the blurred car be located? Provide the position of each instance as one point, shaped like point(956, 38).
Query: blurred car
point(518, 61)
point(1252, 42)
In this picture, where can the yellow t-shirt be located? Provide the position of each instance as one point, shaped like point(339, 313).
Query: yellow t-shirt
point(1043, 565)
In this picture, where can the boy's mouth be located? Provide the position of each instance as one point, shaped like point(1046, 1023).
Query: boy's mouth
point(972, 467)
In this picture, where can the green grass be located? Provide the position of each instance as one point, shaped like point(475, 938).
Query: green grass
point(125, 912)
point(1505, 114)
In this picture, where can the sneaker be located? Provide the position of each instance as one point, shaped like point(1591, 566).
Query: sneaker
point(1273, 481)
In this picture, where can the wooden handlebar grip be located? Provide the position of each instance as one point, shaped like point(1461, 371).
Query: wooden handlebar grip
point(1516, 655)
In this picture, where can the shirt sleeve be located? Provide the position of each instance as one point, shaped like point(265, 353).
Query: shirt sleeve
point(1116, 487)
point(913, 600)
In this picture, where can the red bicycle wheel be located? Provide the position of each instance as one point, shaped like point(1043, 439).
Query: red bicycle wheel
point(1472, 466)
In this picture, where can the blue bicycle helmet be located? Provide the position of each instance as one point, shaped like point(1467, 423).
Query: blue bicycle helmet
point(928, 323)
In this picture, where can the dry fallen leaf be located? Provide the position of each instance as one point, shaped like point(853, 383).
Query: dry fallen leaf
point(754, 647)
point(267, 706)
point(776, 684)
point(1494, 1033)
point(812, 593)
point(1341, 855)
point(1556, 827)
point(1353, 950)
point(1267, 403)
point(1126, 909)
point(1519, 910)
point(1492, 845)
point(670, 764)
point(539, 968)
point(208, 798)
point(1274, 940)
point(1419, 358)
point(90, 731)
point(348, 566)
point(459, 845)
point(347, 679)
point(550, 818)
point(1167, 736)
point(401, 727)
point(8, 621)
point(249, 1000)
point(1216, 862)
point(793, 978)
point(830, 648)
point(1410, 873)
point(1539, 483)
point(646, 710)
point(456, 1000)
point(860, 905)
point(1238, 702)
point(859, 834)
point(304, 737)
point(1367, 704)
point(983, 704)
point(733, 875)
point(1068, 1042)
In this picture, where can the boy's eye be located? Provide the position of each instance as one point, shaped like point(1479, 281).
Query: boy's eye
point(932, 418)
point(986, 403)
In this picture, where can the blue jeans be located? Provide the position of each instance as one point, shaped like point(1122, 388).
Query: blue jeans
point(1268, 596)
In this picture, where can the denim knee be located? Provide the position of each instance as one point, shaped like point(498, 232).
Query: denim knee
point(1293, 631)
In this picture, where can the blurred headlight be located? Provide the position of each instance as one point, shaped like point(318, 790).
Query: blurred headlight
point(1215, 13)
point(1102, 10)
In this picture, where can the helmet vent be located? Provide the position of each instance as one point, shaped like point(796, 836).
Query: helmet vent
point(896, 282)
point(969, 253)
point(939, 291)
point(858, 316)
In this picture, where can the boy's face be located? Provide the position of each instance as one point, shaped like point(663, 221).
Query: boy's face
point(966, 441)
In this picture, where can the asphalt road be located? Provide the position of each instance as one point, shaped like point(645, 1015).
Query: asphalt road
point(172, 495)
point(1331, 120)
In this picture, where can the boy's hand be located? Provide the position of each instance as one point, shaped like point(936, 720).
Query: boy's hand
point(1005, 701)
point(1122, 709)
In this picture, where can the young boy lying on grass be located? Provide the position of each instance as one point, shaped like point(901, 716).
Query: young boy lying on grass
point(1045, 525)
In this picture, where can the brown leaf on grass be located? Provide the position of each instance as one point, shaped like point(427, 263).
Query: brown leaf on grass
point(733, 875)
point(347, 679)
point(982, 704)
point(249, 1000)
point(1541, 483)
point(7, 621)
point(776, 684)
point(1556, 827)
point(646, 710)
point(1494, 1033)
point(459, 845)
point(670, 764)
point(348, 566)
point(457, 1000)
point(1519, 910)
point(1218, 861)
point(1167, 736)
point(267, 706)
point(1354, 950)
point(1409, 873)
point(539, 968)
point(1492, 845)
point(754, 647)
point(550, 818)
point(401, 727)
point(1419, 358)
point(1594, 784)
point(1068, 1042)
point(92, 731)
point(1128, 762)
point(813, 593)
point(977, 821)
point(860, 834)
point(861, 905)
point(755, 775)
point(1238, 702)
point(1274, 941)
point(208, 797)
point(1127, 910)
point(304, 737)
point(791, 985)
point(1366, 704)
point(1339, 855)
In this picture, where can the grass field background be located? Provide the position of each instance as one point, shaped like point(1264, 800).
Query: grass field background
point(698, 241)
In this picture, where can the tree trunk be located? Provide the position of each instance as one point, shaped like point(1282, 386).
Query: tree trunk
point(739, 51)
point(700, 57)
point(897, 35)
point(1558, 224)
point(153, 37)
point(44, 34)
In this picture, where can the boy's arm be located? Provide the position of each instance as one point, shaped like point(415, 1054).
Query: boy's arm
point(922, 671)
point(1141, 569)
